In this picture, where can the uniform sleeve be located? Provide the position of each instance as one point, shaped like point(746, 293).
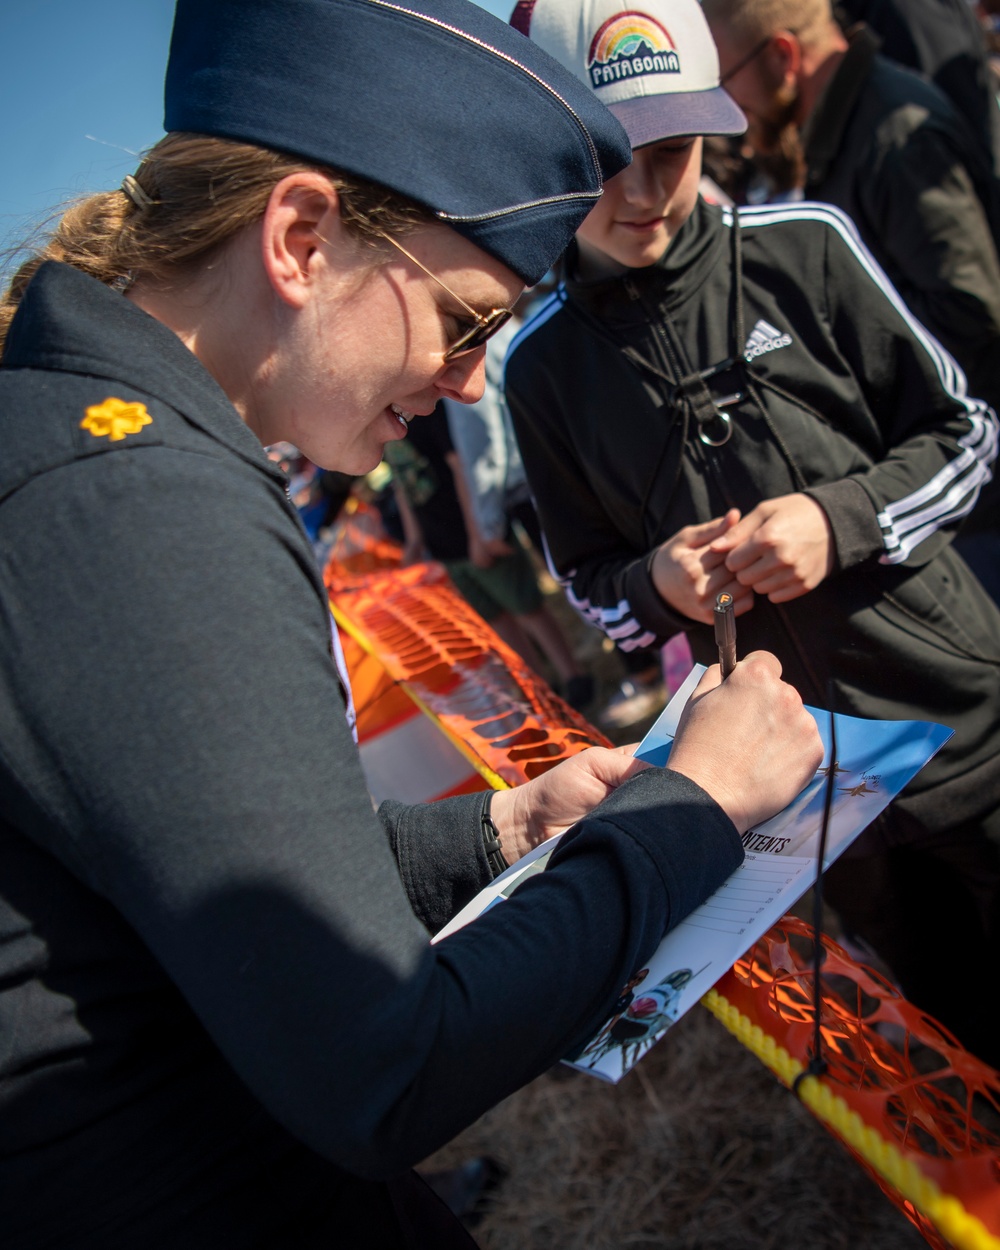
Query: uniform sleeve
point(181, 727)
point(440, 854)
point(602, 567)
point(934, 445)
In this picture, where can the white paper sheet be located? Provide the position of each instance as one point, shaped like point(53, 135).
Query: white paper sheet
point(875, 760)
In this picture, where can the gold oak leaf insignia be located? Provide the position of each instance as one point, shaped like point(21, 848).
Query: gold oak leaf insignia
point(114, 419)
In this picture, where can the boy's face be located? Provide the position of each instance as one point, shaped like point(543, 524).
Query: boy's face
point(643, 207)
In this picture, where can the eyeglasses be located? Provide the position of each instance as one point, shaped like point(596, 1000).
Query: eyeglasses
point(743, 62)
point(486, 325)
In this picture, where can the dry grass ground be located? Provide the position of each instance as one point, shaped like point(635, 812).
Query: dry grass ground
point(698, 1148)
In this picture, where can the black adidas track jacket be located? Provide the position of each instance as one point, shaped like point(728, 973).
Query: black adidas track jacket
point(844, 396)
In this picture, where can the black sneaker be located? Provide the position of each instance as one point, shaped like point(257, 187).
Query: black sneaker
point(468, 1190)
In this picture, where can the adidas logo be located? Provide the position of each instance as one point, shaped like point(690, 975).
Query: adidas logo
point(765, 338)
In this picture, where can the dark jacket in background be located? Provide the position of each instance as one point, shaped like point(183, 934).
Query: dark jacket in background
point(888, 148)
point(941, 39)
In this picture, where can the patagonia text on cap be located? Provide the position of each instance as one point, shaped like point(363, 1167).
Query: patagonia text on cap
point(654, 63)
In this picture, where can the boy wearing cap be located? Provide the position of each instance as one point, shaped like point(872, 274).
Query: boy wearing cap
point(720, 401)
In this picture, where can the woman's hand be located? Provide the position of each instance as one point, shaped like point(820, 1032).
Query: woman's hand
point(748, 740)
point(556, 800)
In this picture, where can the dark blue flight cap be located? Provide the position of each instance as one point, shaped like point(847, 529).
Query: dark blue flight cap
point(437, 100)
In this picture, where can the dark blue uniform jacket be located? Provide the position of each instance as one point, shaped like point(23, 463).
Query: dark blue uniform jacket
point(218, 1004)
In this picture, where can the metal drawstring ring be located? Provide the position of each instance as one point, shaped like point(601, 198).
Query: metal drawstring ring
point(720, 414)
point(727, 426)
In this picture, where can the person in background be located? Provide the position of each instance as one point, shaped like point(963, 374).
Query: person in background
point(719, 401)
point(945, 42)
point(494, 575)
point(318, 494)
point(834, 121)
point(988, 16)
point(484, 441)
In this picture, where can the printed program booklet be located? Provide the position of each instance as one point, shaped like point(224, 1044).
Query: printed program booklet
point(875, 760)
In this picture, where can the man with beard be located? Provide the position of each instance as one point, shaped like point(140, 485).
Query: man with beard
point(832, 120)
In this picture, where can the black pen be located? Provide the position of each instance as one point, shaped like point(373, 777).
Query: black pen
point(725, 632)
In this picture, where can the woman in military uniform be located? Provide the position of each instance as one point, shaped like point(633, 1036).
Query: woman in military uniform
point(221, 1021)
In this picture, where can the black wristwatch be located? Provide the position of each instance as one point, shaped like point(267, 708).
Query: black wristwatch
point(491, 839)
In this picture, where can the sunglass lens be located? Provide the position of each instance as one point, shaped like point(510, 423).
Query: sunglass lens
point(478, 335)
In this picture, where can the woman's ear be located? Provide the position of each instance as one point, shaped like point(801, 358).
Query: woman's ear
point(301, 222)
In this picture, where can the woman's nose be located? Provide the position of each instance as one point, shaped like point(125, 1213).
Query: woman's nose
point(464, 378)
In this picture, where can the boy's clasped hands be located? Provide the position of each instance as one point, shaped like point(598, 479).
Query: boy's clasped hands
point(783, 548)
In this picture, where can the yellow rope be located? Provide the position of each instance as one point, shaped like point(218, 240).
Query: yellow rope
point(348, 626)
point(945, 1212)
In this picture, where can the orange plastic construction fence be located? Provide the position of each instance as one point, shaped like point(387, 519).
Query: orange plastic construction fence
point(404, 754)
point(507, 722)
point(919, 1112)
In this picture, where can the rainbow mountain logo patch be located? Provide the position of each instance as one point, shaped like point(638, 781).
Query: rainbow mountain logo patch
point(630, 45)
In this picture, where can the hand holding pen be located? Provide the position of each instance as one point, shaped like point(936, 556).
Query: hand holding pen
point(725, 632)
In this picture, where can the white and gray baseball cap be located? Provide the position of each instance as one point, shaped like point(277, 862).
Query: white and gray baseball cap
point(653, 63)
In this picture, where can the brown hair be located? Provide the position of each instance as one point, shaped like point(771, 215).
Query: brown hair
point(201, 192)
point(749, 21)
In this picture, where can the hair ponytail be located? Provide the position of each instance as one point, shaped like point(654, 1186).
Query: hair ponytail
point(190, 196)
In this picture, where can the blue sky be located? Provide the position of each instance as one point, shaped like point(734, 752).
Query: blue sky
point(81, 91)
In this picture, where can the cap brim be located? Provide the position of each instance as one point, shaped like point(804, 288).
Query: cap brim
point(650, 118)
